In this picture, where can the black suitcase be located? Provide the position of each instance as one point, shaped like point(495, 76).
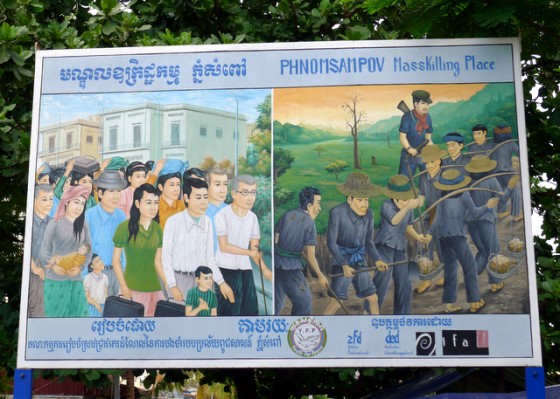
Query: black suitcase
point(119, 306)
point(169, 308)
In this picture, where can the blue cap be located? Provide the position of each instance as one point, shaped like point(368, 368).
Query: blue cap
point(454, 136)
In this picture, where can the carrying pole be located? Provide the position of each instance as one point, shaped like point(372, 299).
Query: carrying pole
point(411, 177)
point(337, 299)
point(262, 281)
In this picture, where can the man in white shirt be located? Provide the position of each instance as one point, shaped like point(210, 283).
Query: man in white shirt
point(188, 243)
point(238, 234)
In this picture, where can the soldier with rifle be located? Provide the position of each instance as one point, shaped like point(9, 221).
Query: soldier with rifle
point(415, 129)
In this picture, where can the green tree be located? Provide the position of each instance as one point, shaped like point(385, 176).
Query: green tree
point(282, 196)
point(283, 160)
point(319, 149)
point(336, 167)
point(263, 120)
point(107, 23)
point(258, 158)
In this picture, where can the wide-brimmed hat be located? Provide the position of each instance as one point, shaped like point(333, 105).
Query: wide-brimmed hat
point(480, 164)
point(422, 95)
point(451, 179)
point(399, 187)
point(358, 185)
point(110, 180)
point(432, 153)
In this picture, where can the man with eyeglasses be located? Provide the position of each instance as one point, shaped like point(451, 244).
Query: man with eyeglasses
point(237, 228)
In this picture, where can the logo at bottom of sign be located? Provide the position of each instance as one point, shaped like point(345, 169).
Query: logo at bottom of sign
point(465, 342)
point(307, 336)
point(425, 344)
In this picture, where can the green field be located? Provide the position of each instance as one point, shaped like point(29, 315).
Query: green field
point(309, 170)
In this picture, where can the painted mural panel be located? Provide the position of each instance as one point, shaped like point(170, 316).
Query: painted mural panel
point(470, 129)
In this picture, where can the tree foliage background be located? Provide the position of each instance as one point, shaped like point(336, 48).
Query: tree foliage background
point(58, 24)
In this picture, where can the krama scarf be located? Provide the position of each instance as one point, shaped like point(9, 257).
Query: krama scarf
point(73, 192)
point(421, 125)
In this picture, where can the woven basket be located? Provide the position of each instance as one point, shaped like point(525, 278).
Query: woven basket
point(501, 274)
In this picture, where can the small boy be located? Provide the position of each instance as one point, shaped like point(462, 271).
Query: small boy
point(201, 300)
point(96, 284)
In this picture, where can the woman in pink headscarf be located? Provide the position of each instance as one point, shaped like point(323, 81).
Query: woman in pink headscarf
point(66, 233)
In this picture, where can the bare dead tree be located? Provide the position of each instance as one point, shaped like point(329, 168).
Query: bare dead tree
point(355, 119)
point(387, 135)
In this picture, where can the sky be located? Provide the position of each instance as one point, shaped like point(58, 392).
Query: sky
point(66, 107)
point(300, 105)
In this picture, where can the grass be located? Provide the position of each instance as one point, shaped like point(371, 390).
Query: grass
point(309, 170)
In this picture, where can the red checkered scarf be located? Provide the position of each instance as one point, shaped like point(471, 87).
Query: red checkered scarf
point(71, 193)
point(421, 125)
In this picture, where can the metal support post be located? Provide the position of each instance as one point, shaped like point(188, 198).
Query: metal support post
point(23, 384)
point(534, 383)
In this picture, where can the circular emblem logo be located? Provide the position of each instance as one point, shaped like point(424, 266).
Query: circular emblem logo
point(307, 336)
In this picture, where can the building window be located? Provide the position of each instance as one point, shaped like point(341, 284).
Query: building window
point(137, 131)
point(203, 131)
point(89, 139)
point(175, 133)
point(51, 144)
point(113, 138)
point(219, 133)
point(68, 141)
point(233, 135)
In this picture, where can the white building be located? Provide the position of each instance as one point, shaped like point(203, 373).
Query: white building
point(152, 131)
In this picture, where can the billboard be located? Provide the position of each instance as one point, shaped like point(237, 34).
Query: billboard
point(280, 205)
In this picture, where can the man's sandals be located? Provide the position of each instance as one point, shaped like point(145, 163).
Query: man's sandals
point(451, 308)
point(476, 306)
point(497, 287)
point(423, 286)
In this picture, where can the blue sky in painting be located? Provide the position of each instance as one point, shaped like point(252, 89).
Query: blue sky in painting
point(66, 107)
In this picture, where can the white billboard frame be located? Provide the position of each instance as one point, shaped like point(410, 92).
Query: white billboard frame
point(279, 340)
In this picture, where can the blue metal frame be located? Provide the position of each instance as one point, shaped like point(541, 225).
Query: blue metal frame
point(23, 383)
point(534, 383)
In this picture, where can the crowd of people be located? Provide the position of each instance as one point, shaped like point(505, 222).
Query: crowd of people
point(147, 232)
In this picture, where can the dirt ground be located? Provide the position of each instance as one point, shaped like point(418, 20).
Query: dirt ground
point(512, 299)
